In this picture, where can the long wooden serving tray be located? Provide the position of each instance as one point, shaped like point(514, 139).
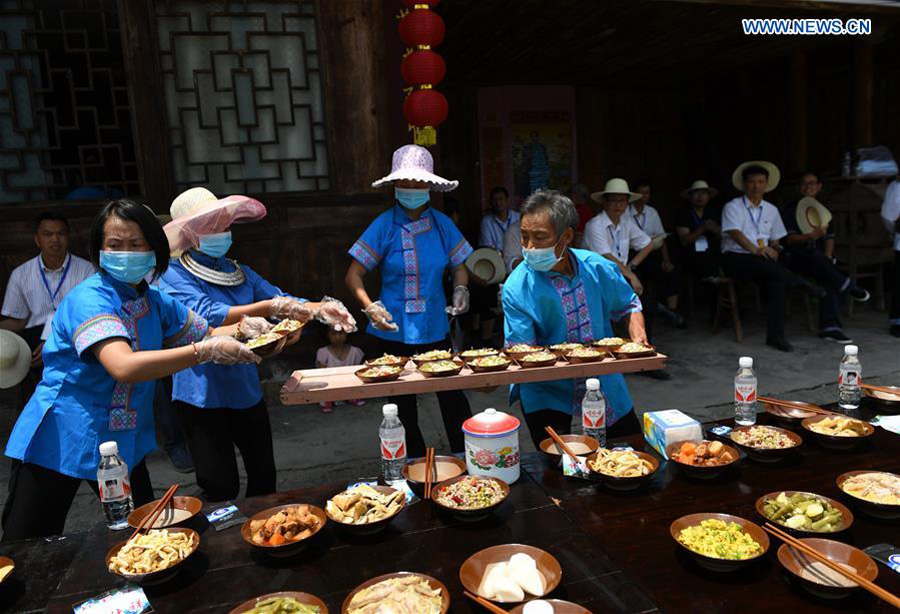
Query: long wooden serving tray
point(340, 383)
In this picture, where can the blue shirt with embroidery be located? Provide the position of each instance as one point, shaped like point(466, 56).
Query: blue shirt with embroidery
point(78, 405)
point(413, 255)
point(211, 385)
point(548, 308)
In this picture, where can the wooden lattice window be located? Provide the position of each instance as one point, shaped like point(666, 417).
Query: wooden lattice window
point(243, 95)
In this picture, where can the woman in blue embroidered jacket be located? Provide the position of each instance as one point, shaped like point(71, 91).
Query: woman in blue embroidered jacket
point(413, 245)
point(559, 294)
point(105, 350)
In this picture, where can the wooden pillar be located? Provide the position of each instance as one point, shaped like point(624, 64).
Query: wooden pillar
point(799, 112)
point(137, 20)
point(863, 93)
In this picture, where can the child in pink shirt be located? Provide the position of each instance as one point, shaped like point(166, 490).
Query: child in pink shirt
point(338, 354)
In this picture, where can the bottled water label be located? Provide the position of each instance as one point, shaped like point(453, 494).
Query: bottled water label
point(393, 448)
point(113, 489)
point(744, 393)
point(849, 378)
point(593, 417)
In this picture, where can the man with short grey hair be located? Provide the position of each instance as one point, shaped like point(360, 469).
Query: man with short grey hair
point(557, 295)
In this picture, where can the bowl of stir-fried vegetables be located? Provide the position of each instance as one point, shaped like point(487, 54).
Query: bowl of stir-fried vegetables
point(470, 497)
point(488, 364)
point(286, 602)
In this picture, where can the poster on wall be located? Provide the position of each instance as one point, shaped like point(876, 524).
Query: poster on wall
point(541, 150)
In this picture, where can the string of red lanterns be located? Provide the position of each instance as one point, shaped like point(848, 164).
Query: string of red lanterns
point(422, 68)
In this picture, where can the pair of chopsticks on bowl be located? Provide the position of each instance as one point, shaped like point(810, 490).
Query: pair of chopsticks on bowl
point(490, 607)
point(809, 407)
point(430, 471)
point(796, 544)
point(885, 389)
point(561, 445)
point(150, 519)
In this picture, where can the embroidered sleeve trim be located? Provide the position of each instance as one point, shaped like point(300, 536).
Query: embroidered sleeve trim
point(195, 329)
point(98, 328)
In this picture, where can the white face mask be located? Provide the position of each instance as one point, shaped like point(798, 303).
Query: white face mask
point(541, 258)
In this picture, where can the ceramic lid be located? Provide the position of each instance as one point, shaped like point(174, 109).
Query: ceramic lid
point(491, 423)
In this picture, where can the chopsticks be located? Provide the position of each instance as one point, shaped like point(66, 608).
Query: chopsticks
point(429, 471)
point(813, 409)
point(851, 575)
point(490, 607)
point(560, 444)
point(150, 519)
point(884, 389)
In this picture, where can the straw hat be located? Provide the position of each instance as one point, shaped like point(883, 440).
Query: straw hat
point(15, 359)
point(737, 179)
point(415, 163)
point(197, 212)
point(615, 186)
point(699, 185)
point(811, 214)
point(487, 264)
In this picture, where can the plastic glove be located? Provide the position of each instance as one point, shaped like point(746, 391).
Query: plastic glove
point(460, 301)
point(251, 328)
point(224, 351)
point(287, 307)
point(381, 318)
point(334, 314)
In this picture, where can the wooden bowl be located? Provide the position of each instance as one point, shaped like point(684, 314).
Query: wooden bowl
point(448, 467)
point(400, 362)
point(697, 471)
point(887, 401)
point(650, 351)
point(548, 446)
point(469, 515)
point(5, 561)
point(434, 583)
point(372, 527)
point(368, 379)
point(846, 515)
point(530, 364)
point(616, 483)
point(490, 369)
point(561, 349)
point(459, 367)
point(290, 548)
point(886, 511)
point(419, 361)
point(609, 348)
point(711, 563)
point(559, 607)
point(577, 360)
point(767, 455)
point(187, 506)
point(788, 416)
point(466, 358)
point(835, 442)
point(518, 355)
point(271, 347)
point(163, 574)
point(473, 569)
point(304, 598)
point(794, 561)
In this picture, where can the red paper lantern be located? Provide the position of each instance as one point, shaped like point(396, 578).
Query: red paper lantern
point(413, 3)
point(422, 27)
point(425, 110)
point(423, 67)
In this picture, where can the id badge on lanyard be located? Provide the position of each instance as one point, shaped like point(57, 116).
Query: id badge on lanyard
point(45, 333)
point(760, 241)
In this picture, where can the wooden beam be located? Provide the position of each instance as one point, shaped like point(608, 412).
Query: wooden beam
point(863, 93)
point(799, 112)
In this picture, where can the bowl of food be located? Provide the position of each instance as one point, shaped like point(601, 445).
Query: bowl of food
point(285, 602)
point(582, 355)
point(284, 530)
point(610, 344)
point(581, 445)
point(370, 375)
point(537, 359)
point(804, 513)
point(720, 542)
point(561, 349)
point(445, 468)
point(432, 356)
point(441, 368)
point(473, 353)
point(267, 344)
point(838, 432)
point(489, 364)
point(818, 578)
point(519, 350)
point(549, 606)
point(153, 556)
point(511, 573)
point(766, 444)
point(623, 469)
point(179, 511)
point(888, 399)
point(632, 349)
point(702, 459)
point(877, 493)
point(791, 414)
point(470, 497)
point(365, 510)
point(398, 592)
point(287, 327)
point(7, 565)
point(388, 360)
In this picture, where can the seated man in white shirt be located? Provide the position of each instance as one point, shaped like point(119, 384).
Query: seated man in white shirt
point(512, 246)
point(751, 230)
point(890, 214)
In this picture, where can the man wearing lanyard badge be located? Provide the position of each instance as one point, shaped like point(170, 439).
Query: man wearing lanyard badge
point(751, 230)
point(36, 288)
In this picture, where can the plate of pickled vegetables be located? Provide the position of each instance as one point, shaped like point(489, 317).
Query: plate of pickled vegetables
point(804, 512)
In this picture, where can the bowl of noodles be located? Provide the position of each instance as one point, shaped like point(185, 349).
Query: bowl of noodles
point(153, 556)
point(398, 592)
point(623, 469)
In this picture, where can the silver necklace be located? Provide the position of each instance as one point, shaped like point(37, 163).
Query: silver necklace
point(235, 278)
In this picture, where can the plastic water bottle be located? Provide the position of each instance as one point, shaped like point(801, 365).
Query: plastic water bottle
point(593, 412)
point(745, 393)
point(115, 489)
point(849, 379)
point(393, 444)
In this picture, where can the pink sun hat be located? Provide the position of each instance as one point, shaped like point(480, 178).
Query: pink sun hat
point(415, 163)
point(197, 211)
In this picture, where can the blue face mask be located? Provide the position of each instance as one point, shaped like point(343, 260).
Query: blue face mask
point(127, 267)
point(541, 258)
point(216, 245)
point(411, 198)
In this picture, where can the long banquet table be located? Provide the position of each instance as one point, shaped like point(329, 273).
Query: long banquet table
point(614, 547)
